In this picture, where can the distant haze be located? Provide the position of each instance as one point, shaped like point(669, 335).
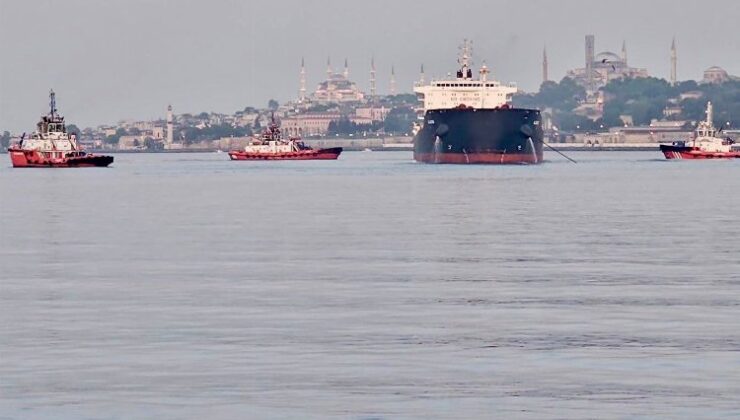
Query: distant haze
point(113, 60)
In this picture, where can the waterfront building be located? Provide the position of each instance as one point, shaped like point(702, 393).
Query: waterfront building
point(157, 132)
point(308, 124)
point(373, 114)
point(132, 142)
point(656, 132)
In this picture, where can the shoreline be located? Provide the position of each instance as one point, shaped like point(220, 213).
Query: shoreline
point(407, 147)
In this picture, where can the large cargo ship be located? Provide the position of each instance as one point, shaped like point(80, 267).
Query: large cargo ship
point(468, 121)
point(52, 147)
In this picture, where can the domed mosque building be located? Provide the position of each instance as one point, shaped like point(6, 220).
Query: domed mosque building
point(603, 67)
point(716, 75)
point(337, 88)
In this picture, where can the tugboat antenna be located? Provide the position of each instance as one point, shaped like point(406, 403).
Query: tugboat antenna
point(52, 102)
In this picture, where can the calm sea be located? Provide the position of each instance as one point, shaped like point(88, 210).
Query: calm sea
point(187, 286)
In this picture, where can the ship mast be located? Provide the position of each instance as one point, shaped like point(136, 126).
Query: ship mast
point(466, 53)
point(52, 103)
point(710, 114)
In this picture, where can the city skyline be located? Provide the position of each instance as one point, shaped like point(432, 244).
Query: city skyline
point(128, 60)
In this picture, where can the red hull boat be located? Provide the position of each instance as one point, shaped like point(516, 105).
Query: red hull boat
point(271, 146)
point(320, 154)
point(35, 159)
point(705, 145)
point(52, 147)
point(688, 152)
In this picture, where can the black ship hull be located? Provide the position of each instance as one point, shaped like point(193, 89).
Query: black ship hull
point(480, 136)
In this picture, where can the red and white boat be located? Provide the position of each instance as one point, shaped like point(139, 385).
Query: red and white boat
point(704, 145)
point(52, 147)
point(271, 146)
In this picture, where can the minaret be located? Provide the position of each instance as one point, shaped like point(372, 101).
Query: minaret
point(328, 68)
point(393, 81)
point(346, 69)
point(589, 63)
point(421, 76)
point(372, 78)
point(624, 52)
point(674, 58)
point(544, 65)
point(302, 91)
point(170, 125)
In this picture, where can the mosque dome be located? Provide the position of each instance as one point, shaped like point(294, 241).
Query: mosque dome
point(606, 56)
point(716, 69)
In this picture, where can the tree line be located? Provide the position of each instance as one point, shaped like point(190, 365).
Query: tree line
point(643, 99)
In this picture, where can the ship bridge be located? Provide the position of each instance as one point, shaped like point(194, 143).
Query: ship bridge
point(464, 90)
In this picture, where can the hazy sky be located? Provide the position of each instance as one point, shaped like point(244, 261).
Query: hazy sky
point(112, 59)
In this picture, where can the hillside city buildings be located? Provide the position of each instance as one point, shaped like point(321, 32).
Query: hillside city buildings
point(338, 99)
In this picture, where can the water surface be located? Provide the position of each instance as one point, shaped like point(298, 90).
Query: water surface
point(372, 287)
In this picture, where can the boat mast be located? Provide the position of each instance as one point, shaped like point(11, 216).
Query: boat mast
point(464, 60)
point(52, 103)
point(710, 114)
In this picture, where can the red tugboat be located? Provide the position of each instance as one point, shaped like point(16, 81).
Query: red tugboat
point(271, 146)
point(704, 145)
point(52, 147)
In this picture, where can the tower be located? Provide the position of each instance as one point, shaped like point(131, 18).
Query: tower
point(372, 78)
point(170, 125)
point(590, 63)
point(544, 65)
point(421, 75)
point(346, 69)
point(674, 58)
point(328, 68)
point(302, 91)
point(393, 81)
point(624, 52)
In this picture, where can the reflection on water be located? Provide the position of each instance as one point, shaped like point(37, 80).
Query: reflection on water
point(186, 286)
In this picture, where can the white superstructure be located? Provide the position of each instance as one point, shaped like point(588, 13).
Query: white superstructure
point(272, 142)
point(464, 90)
point(706, 137)
point(51, 137)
